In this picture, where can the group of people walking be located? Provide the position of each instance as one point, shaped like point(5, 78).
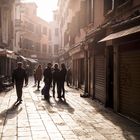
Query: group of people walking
point(53, 77)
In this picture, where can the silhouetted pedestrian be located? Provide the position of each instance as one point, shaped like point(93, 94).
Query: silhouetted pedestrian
point(38, 76)
point(69, 77)
point(62, 79)
point(34, 74)
point(18, 77)
point(27, 69)
point(47, 80)
point(56, 79)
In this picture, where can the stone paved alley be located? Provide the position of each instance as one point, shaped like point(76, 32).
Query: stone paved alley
point(76, 119)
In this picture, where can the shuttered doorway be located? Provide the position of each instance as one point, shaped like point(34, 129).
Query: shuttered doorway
point(129, 81)
point(100, 78)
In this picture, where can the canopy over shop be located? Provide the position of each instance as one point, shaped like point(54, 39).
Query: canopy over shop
point(32, 63)
point(8, 59)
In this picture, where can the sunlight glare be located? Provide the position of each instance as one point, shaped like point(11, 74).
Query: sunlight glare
point(45, 8)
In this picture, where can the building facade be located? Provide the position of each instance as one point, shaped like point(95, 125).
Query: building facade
point(53, 40)
point(102, 40)
point(7, 56)
point(31, 34)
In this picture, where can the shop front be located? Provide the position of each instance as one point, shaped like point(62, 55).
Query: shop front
point(78, 67)
point(126, 68)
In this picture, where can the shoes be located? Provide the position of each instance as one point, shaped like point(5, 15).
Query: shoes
point(63, 96)
point(19, 100)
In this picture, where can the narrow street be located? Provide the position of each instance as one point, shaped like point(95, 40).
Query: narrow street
point(76, 119)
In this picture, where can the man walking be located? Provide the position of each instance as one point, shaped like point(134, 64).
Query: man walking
point(63, 73)
point(47, 80)
point(18, 77)
point(69, 77)
point(27, 70)
point(56, 79)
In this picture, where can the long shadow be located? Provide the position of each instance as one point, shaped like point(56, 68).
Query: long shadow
point(65, 105)
point(13, 110)
point(130, 129)
point(51, 104)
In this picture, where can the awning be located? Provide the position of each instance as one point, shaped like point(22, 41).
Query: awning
point(31, 60)
point(8, 53)
point(121, 33)
point(2, 52)
point(23, 57)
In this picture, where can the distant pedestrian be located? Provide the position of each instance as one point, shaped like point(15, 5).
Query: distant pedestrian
point(27, 69)
point(34, 74)
point(69, 77)
point(62, 79)
point(38, 75)
point(18, 77)
point(47, 80)
point(55, 76)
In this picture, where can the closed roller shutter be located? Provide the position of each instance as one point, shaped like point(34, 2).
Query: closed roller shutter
point(100, 78)
point(129, 83)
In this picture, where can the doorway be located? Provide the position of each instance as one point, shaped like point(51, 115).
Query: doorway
point(110, 100)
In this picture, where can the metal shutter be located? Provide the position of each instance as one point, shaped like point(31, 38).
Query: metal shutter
point(100, 78)
point(129, 83)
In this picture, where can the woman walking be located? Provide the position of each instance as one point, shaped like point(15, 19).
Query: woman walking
point(38, 75)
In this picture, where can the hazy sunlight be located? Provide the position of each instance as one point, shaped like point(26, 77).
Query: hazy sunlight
point(45, 8)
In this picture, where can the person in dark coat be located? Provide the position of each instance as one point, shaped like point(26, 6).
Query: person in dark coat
point(27, 69)
point(55, 79)
point(18, 77)
point(34, 74)
point(38, 75)
point(69, 77)
point(47, 80)
point(62, 79)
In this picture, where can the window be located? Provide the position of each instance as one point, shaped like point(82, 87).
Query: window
point(44, 48)
point(56, 32)
point(38, 29)
point(108, 6)
point(50, 37)
point(45, 30)
point(30, 26)
point(27, 44)
point(56, 47)
point(90, 11)
point(37, 46)
point(50, 49)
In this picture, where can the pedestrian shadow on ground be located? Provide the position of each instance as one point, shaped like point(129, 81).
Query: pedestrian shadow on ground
point(10, 113)
point(52, 104)
point(63, 104)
